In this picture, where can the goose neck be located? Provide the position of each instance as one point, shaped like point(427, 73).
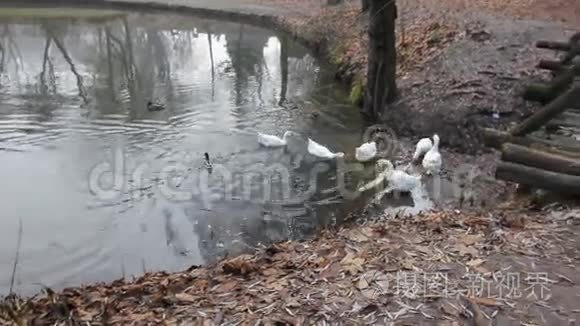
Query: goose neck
point(436, 142)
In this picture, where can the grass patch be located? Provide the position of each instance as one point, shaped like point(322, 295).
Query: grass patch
point(58, 13)
point(336, 56)
point(357, 93)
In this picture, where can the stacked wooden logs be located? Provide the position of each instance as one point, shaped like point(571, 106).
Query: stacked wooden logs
point(554, 163)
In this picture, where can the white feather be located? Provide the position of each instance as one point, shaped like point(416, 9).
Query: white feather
point(432, 161)
point(422, 147)
point(397, 180)
point(273, 141)
point(320, 151)
point(366, 152)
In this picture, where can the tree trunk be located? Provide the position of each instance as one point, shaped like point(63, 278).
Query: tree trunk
point(283, 69)
point(333, 2)
point(365, 5)
point(381, 84)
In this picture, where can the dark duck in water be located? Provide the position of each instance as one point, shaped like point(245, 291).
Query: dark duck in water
point(155, 106)
point(207, 164)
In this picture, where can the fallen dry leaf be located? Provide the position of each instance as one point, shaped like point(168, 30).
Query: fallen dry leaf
point(449, 309)
point(475, 262)
point(478, 318)
point(352, 264)
point(469, 239)
point(490, 302)
point(407, 264)
point(227, 287)
point(271, 271)
point(185, 297)
point(357, 236)
point(464, 250)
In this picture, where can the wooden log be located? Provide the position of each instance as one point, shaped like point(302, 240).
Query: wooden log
point(565, 101)
point(559, 46)
point(530, 176)
point(564, 121)
point(574, 49)
point(571, 115)
point(495, 139)
point(552, 65)
point(543, 93)
point(539, 159)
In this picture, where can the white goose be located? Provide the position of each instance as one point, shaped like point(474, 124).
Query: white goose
point(422, 147)
point(432, 160)
point(274, 141)
point(320, 151)
point(398, 180)
point(366, 152)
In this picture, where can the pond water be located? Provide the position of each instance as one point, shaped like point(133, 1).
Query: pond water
point(105, 188)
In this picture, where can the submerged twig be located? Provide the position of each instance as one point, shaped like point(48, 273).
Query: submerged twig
point(13, 277)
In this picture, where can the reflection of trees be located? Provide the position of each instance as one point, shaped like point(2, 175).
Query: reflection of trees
point(283, 68)
point(60, 45)
point(11, 47)
point(45, 58)
point(210, 45)
point(2, 57)
point(246, 53)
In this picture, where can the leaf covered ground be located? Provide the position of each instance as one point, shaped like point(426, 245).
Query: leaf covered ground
point(438, 268)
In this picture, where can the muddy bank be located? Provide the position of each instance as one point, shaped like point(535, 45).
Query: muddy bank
point(475, 83)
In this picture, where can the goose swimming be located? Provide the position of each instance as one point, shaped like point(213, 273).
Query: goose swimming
point(320, 151)
point(366, 152)
point(154, 106)
point(274, 141)
point(207, 164)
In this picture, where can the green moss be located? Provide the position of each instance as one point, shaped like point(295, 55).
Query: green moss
point(335, 57)
point(357, 93)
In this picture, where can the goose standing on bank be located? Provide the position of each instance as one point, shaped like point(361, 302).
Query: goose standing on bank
point(432, 161)
point(422, 147)
point(398, 180)
point(274, 141)
point(320, 151)
point(366, 152)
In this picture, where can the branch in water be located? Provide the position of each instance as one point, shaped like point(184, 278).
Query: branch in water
point(13, 277)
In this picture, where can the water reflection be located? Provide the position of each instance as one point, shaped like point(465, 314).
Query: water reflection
point(73, 98)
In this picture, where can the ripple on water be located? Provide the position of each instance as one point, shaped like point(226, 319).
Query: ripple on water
point(212, 104)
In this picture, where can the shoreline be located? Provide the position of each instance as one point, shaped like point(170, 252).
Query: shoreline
point(405, 270)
